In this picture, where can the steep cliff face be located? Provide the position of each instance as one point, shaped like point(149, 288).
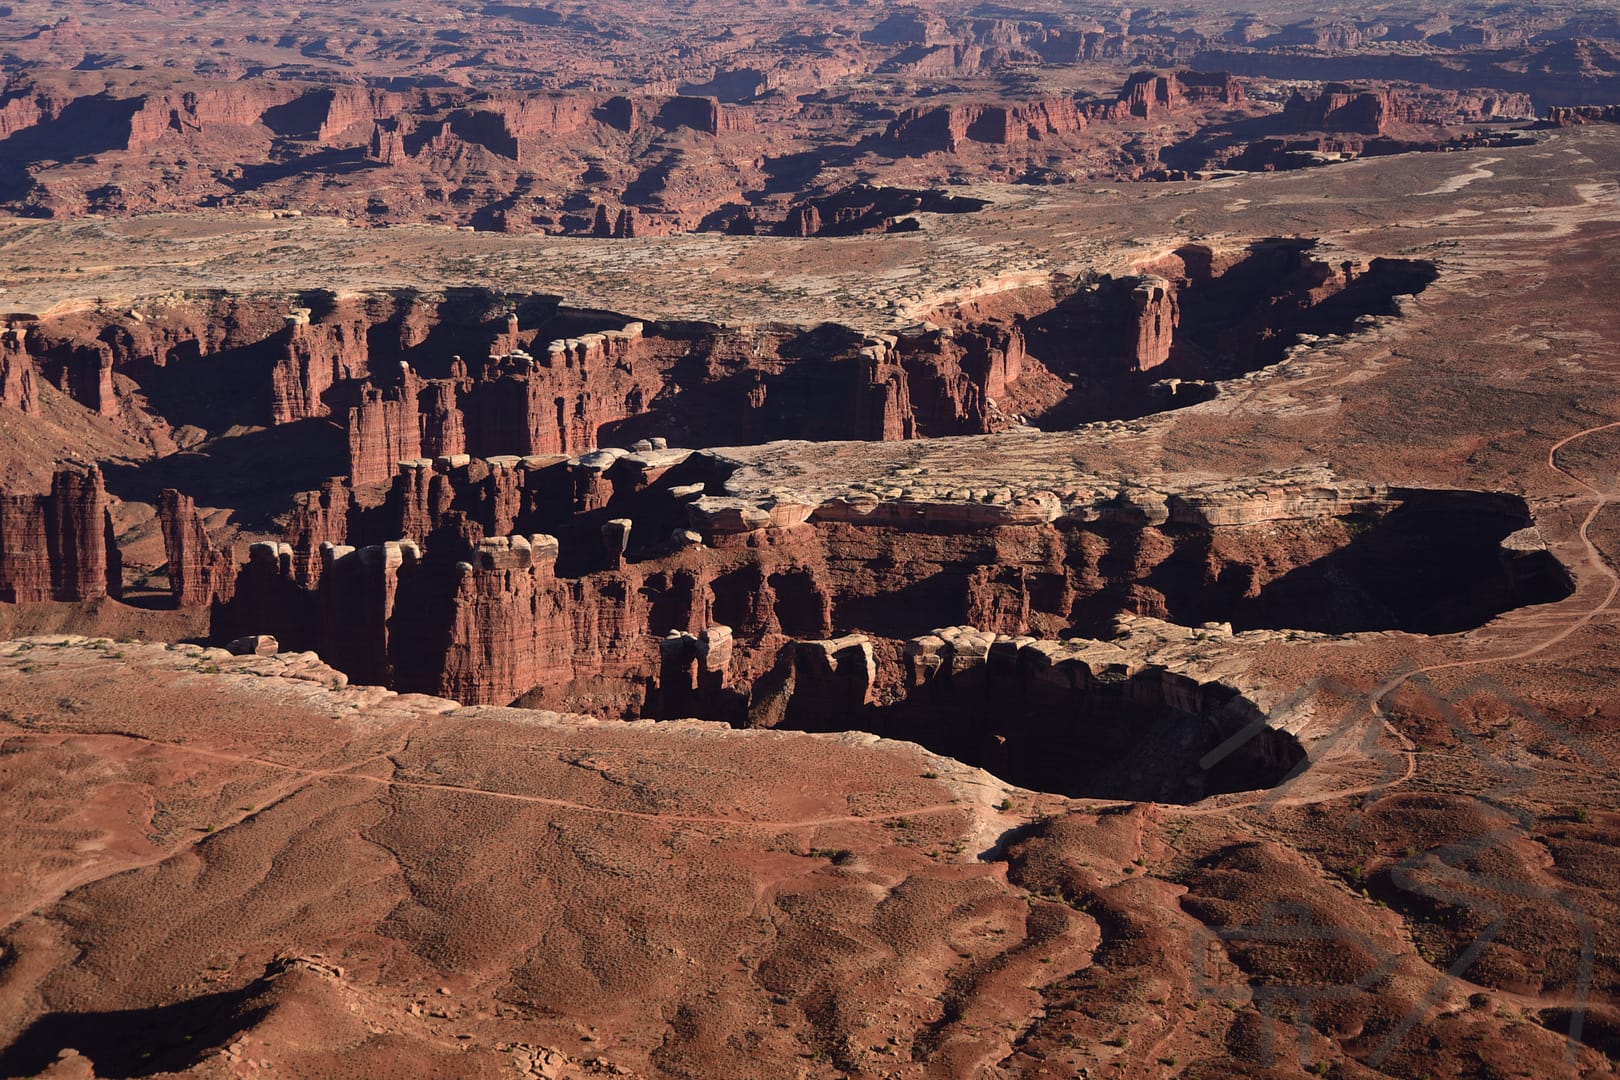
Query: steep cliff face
point(567, 581)
point(17, 374)
point(26, 573)
point(59, 546)
point(313, 357)
point(356, 606)
point(545, 379)
point(384, 429)
point(1147, 95)
point(199, 574)
point(341, 110)
point(83, 371)
point(1340, 107)
point(1574, 115)
point(1155, 320)
point(633, 383)
point(515, 627)
point(201, 111)
point(948, 127)
point(84, 557)
point(318, 518)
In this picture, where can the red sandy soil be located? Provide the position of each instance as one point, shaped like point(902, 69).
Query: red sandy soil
point(227, 866)
point(256, 872)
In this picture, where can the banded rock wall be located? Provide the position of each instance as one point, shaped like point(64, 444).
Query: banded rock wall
point(59, 546)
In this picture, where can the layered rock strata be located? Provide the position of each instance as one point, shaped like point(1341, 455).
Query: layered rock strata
point(59, 546)
point(199, 574)
point(539, 576)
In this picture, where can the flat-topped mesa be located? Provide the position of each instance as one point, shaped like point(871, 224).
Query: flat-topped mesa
point(572, 394)
point(197, 111)
point(948, 127)
point(60, 546)
point(199, 573)
point(922, 504)
point(517, 552)
point(705, 114)
point(1575, 115)
point(352, 107)
point(1147, 95)
point(562, 380)
point(719, 519)
point(17, 389)
point(1039, 547)
point(1339, 107)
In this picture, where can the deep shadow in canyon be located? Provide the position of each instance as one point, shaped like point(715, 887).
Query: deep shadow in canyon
point(1042, 721)
point(411, 374)
point(1128, 347)
point(1431, 566)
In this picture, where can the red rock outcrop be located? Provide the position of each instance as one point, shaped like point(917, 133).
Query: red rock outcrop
point(314, 357)
point(1368, 111)
point(199, 574)
point(387, 142)
point(491, 628)
point(348, 107)
point(522, 404)
point(1157, 316)
point(1147, 94)
point(194, 112)
point(703, 114)
point(486, 615)
point(549, 115)
point(1572, 115)
point(27, 574)
point(26, 106)
point(384, 429)
point(17, 373)
point(59, 546)
point(357, 599)
point(949, 126)
point(318, 518)
point(1343, 108)
point(81, 369)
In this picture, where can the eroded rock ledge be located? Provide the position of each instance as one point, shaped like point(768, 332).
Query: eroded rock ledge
point(412, 373)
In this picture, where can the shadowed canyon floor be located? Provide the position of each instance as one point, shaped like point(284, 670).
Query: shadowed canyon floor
point(1265, 728)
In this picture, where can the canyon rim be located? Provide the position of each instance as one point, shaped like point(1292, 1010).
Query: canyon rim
point(829, 539)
